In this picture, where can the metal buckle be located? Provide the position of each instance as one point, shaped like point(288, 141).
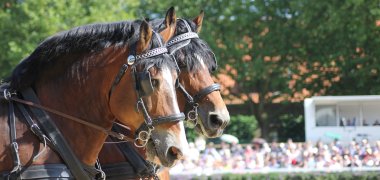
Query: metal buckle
point(7, 95)
point(144, 137)
point(15, 146)
point(192, 117)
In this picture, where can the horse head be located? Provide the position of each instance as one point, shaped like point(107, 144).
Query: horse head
point(156, 120)
point(198, 95)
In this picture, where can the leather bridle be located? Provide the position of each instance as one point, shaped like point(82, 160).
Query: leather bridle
point(143, 133)
point(192, 102)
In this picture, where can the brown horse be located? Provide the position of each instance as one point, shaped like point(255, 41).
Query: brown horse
point(82, 78)
point(197, 92)
point(197, 61)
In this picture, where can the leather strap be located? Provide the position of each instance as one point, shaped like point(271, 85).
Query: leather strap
point(204, 92)
point(56, 137)
point(32, 125)
point(123, 171)
point(14, 146)
point(136, 161)
point(78, 120)
point(118, 77)
point(47, 171)
point(167, 119)
point(187, 96)
point(161, 120)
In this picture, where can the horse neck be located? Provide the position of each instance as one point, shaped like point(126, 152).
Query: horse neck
point(81, 96)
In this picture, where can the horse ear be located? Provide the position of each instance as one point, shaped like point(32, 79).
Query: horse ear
point(145, 37)
point(198, 21)
point(170, 23)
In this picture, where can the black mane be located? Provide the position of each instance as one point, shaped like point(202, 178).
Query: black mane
point(77, 42)
point(186, 56)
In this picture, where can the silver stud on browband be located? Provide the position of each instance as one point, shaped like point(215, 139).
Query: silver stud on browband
point(131, 59)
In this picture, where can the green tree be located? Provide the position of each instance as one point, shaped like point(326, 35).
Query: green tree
point(249, 40)
point(24, 24)
point(243, 128)
point(285, 51)
point(341, 41)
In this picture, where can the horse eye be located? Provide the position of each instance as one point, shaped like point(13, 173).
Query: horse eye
point(154, 82)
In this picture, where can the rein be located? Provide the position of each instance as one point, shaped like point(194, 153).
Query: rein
point(192, 102)
point(8, 96)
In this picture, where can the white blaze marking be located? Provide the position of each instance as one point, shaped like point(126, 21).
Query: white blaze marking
point(168, 78)
point(200, 59)
point(184, 145)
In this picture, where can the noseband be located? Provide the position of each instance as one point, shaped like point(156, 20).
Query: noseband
point(143, 87)
point(192, 102)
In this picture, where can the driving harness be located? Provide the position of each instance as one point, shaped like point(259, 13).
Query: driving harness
point(50, 135)
point(137, 166)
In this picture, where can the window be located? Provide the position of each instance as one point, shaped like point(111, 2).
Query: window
point(371, 113)
point(349, 115)
point(325, 115)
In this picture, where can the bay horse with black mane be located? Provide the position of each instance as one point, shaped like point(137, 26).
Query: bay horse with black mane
point(197, 94)
point(58, 106)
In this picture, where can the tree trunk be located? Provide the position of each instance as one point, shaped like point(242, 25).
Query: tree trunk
point(261, 116)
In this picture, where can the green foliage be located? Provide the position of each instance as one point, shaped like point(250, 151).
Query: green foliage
point(191, 134)
point(291, 126)
point(289, 49)
point(243, 127)
point(341, 42)
point(24, 24)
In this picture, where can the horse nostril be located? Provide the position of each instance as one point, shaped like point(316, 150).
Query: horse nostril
point(215, 120)
point(174, 153)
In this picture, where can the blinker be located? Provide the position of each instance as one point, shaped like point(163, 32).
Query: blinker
point(144, 83)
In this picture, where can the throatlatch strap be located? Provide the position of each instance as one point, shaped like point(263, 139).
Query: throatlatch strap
point(56, 137)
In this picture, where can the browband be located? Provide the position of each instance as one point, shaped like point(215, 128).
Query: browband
point(152, 53)
point(182, 37)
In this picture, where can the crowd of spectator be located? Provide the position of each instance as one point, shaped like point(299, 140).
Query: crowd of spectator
point(260, 155)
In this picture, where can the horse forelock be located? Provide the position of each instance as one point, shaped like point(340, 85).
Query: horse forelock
point(157, 61)
point(196, 47)
point(79, 42)
point(187, 56)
